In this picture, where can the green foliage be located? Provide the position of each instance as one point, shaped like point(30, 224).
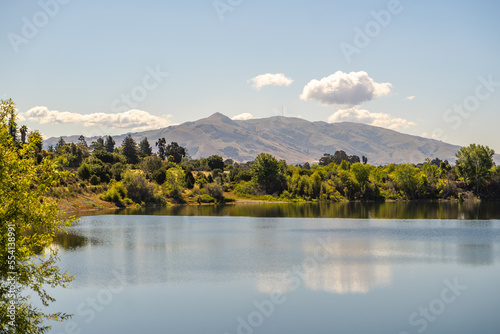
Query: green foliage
point(145, 149)
point(117, 171)
point(94, 180)
point(190, 180)
point(109, 145)
point(246, 188)
point(268, 173)
point(175, 183)
point(215, 162)
point(84, 171)
point(474, 163)
point(215, 191)
point(239, 174)
point(117, 193)
point(361, 173)
point(204, 198)
point(159, 176)
point(97, 145)
point(29, 220)
point(161, 143)
point(200, 180)
point(129, 150)
point(175, 151)
point(151, 164)
point(104, 156)
point(140, 190)
point(410, 181)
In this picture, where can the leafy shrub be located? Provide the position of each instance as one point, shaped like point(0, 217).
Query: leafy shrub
point(215, 191)
point(94, 180)
point(141, 190)
point(204, 198)
point(246, 188)
point(83, 171)
point(116, 194)
point(159, 176)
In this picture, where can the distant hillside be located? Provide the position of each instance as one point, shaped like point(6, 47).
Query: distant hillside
point(293, 139)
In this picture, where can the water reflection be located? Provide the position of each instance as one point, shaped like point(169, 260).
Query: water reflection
point(384, 210)
point(361, 253)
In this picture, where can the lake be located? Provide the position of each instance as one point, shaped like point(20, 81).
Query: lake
point(276, 268)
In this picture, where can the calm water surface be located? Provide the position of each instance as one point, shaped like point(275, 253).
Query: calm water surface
point(161, 273)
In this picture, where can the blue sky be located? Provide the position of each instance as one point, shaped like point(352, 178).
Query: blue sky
point(84, 56)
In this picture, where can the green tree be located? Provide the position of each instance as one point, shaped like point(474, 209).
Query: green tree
point(175, 183)
point(215, 162)
point(189, 180)
point(97, 145)
point(159, 176)
point(35, 137)
point(474, 163)
point(29, 221)
point(177, 152)
point(83, 142)
point(129, 150)
point(84, 171)
point(326, 159)
point(161, 143)
point(23, 130)
point(110, 144)
point(267, 172)
point(410, 180)
point(361, 173)
point(145, 149)
point(139, 189)
point(60, 146)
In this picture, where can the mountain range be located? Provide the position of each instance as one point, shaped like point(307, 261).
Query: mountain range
point(295, 140)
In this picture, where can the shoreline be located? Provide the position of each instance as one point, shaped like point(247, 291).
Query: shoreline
point(84, 204)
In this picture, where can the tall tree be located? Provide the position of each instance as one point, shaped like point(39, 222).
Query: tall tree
point(474, 163)
point(177, 152)
point(60, 145)
point(36, 138)
point(215, 162)
point(29, 220)
point(326, 159)
point(340, 156)
point(161, 143)
point(267, 172)
point(129, 150)
point(110, 144)
point(83, 142)
point(23, 130)
point(98, 144)
point(145, 149)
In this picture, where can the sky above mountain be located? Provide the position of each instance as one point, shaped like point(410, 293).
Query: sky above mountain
point(92, 67)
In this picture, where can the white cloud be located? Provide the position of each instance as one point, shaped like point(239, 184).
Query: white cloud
point(134, 119)
point(242, 117)
point(278, 79)
point(409, 98)
point(367, 117)
point(348, 89)
point(432, 136)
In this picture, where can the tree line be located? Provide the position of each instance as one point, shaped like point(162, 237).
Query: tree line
point(133, 173)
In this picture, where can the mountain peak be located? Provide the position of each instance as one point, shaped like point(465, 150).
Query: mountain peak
point(218, 116)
